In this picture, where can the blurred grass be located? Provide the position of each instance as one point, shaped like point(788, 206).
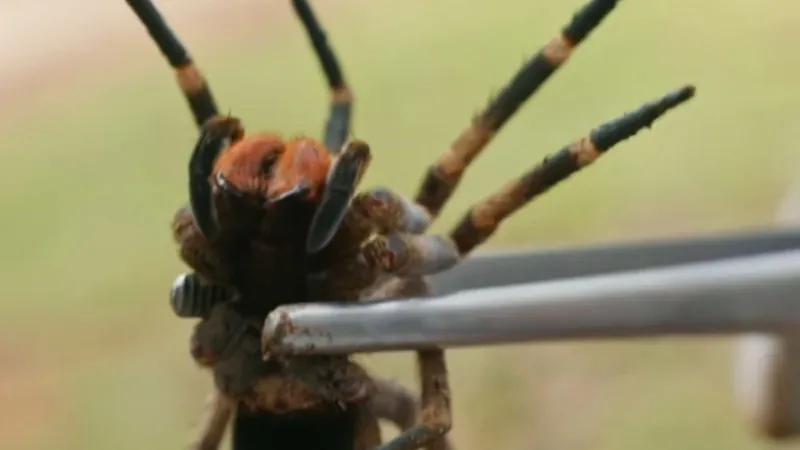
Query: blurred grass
point(94, 182)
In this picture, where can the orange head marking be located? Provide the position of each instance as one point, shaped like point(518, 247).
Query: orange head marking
point(264, 165)
point(304, 166)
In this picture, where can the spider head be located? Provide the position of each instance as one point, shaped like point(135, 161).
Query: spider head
point(233, 176)
point(268, 171)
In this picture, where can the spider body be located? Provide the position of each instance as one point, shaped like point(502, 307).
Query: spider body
point(273, 221)
point(249, 226)
point(260, 223)
point(325, 394)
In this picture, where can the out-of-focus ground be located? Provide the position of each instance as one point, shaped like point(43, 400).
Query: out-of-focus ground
point(94, 139)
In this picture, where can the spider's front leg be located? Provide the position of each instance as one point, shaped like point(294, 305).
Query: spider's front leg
point(190, 78)
point(412, 255)
point(338, 127)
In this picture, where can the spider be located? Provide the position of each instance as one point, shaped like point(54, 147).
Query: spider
point(235, 365)
point(274, 221)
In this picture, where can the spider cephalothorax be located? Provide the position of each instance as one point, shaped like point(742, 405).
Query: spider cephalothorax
point(234, 176)
point(263, 203)
point(275, 221)
point(264, 165)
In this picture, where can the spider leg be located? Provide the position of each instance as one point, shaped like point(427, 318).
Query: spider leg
point(390, 225)
point(402, 254)
point(442, 177)
point(389, 211)
point(436, 415)
point(194, 250)
point(190, 79)
point(215, 418)
point(383, 211)
point(436, 412)
point(394, 402)
point(398, 247)
point(338, 126)
point(484, 218)
point(367, 429)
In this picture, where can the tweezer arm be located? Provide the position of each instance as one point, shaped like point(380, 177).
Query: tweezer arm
point(753, 293)
point(516, 267)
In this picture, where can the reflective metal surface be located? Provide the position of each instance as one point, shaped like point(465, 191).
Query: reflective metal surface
point(504, 268)
point(733, 295)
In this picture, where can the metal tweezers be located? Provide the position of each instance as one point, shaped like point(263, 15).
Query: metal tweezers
point(744, 283)
point(738, 282)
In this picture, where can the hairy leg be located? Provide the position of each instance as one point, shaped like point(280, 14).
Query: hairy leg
point(213, 422)
point(190, 79)
point(394, 402)
point(403, 254)
point(338, 127)
point(194, 249)
point(411, 256)
point(484, 218)
point(443, 176)
point(398, 253)
point(435, 420)
point(367, 432)
point(387, 211)
point(357, 269)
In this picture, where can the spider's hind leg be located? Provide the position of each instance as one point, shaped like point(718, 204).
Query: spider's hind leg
point(338, 126)
point(394, 402)
point(190, 79)
point(430, 430)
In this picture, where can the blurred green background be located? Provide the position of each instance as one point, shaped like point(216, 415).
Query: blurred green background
point(92, 356)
